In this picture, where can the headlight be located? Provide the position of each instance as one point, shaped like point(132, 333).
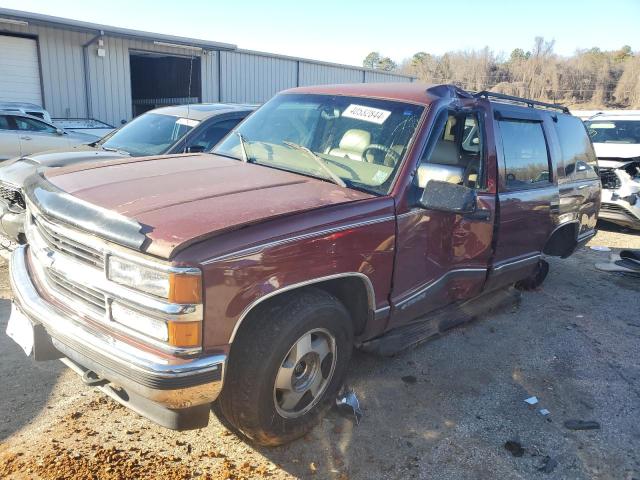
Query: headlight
point(139, 322)
point(174, 286)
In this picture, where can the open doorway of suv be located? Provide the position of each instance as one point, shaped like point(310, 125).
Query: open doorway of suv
point(160, 79)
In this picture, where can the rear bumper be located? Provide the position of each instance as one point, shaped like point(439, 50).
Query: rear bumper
point(155, 382)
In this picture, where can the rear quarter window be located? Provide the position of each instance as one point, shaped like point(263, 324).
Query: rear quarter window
point(526, 159)
point(578, 158)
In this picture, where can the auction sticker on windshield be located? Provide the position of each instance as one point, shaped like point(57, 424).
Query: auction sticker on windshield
point(20, 329)
point(368, 114)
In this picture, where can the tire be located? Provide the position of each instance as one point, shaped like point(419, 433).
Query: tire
point(270, 347)
point(535, 280)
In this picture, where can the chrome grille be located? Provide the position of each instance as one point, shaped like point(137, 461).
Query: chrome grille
point(89, 297)
point(12, 195)
point(62, 243)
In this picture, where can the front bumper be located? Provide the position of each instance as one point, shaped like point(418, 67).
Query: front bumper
point(621, 213)
point(153, 381)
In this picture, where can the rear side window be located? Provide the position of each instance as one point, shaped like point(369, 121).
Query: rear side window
point(208, 137)
point(578, 157)
point(32, 125)
point(4, 123)
point(526, 160)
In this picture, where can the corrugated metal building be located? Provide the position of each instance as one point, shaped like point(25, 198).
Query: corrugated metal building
point(80, 69)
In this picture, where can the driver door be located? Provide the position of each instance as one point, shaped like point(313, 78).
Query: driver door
point(442, 257)
point(37, 136)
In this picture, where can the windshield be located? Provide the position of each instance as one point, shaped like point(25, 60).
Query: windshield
point(149, 134)
point(361, 141)
point(614, 131)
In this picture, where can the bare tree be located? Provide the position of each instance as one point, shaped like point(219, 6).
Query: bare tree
point(591, 77)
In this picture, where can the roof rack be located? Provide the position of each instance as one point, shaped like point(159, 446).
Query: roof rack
point(526, 101)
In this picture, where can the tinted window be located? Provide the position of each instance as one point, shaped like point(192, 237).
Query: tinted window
point(211, 134)
point(525, 154)
point(32, 125)
point(4, 123)
point(578, 157)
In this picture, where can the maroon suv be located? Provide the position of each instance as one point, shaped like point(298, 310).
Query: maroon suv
point(334, 217)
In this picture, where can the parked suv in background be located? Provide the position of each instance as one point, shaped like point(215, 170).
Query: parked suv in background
point(22, 134)
point(368, 215)
point(26, 109)
point(167, 130)
point(616, 139)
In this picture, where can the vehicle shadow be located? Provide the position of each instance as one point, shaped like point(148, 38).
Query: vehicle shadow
point(447, 408)
point(615, 228)
point(408, 415)
point(26, 384)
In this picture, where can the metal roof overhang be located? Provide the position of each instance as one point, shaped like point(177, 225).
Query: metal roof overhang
point(48, 20)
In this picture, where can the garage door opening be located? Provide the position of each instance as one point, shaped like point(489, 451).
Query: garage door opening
point(20, 70)
point(158, 80)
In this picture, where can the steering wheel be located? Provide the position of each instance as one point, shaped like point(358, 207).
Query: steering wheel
point(382, 148)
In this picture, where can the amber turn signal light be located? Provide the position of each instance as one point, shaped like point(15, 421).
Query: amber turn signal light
point(185, 334)
point(185, 288)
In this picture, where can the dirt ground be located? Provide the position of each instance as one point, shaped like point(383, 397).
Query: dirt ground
point(446, 409)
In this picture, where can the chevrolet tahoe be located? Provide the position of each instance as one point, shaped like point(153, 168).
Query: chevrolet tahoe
point(334, 217)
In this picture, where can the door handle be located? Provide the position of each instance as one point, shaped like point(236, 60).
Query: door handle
point(482, 214)
point(25, 137)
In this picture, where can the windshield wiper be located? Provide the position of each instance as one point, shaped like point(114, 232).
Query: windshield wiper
point(243, 147)
point(117, 150)
point(336, 179)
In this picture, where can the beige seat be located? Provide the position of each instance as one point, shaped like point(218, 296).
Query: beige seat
point(444, 173)
point(353, 144)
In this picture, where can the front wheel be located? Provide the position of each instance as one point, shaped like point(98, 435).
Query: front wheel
point(286, 366)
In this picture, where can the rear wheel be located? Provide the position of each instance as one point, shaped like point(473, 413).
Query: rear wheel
point(536, 279)
point(286, 366)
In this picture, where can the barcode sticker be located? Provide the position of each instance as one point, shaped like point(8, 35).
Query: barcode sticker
point(367, 114)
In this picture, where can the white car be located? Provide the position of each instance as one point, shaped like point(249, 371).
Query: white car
point(616, 139)
point(26, 109)
point(22, 134)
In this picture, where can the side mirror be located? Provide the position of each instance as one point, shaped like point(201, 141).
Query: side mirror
point(195, 149)
point(448, 197)
point(59, 131)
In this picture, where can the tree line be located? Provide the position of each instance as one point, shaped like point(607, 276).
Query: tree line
point(590, 78)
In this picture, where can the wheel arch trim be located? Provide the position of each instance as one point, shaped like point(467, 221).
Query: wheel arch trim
point(562, 226)
point(360, 276)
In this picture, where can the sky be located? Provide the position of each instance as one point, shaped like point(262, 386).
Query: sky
point(346, 31)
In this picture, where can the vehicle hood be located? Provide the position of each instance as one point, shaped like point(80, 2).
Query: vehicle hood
point(180, 199)
point(617, 163)
point(80, 137)
point(617, 150)
point(16, 170)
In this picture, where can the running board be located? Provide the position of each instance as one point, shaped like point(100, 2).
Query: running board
point(439, 321)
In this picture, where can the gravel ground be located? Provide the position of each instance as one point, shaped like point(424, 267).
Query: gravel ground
point(443, 410)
